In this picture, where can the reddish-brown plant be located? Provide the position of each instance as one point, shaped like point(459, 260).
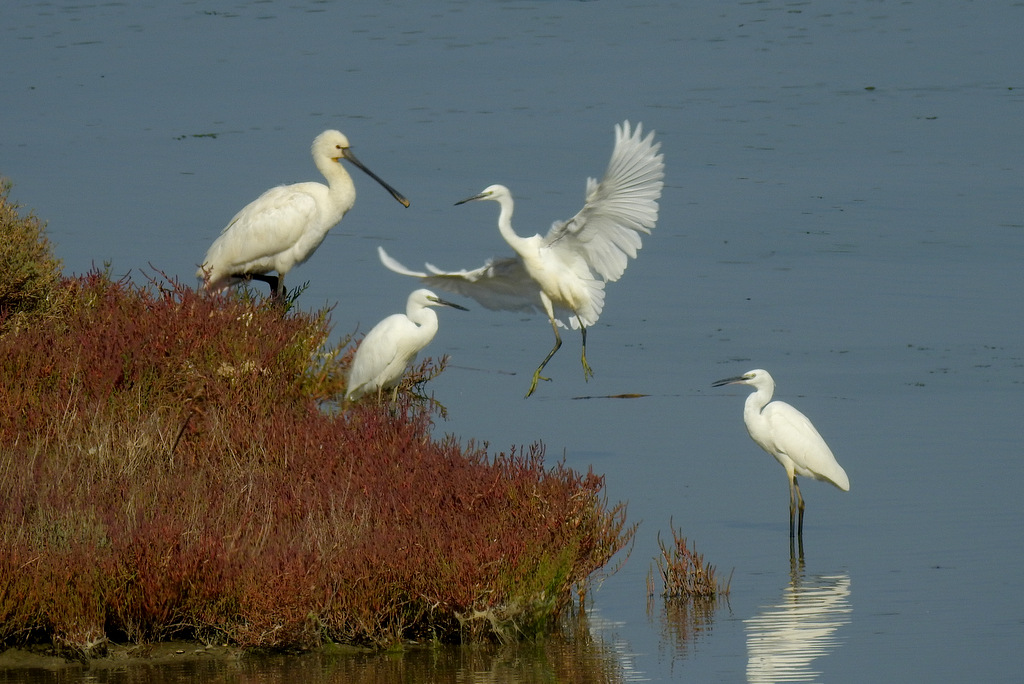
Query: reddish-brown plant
point(174, 464)
point(684, 572)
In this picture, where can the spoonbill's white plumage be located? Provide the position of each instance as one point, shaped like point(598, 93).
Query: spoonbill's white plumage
point(392, 344)
point(563, 273)
point(789, 436)
point(281, 228)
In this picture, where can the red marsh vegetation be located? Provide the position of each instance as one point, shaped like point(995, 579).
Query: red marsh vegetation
point(174, 465)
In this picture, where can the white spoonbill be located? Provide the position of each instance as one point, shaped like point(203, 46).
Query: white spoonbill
point(565, 271)
point(281, 228)
point(789, 436)
point(392, 344)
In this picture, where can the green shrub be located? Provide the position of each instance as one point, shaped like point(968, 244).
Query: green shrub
point(30, 275)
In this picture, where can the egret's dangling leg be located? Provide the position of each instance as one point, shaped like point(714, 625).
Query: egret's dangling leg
point(587, 373)
point(558, 343)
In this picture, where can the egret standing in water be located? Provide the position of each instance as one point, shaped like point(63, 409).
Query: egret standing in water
point(789, 436)
point(565, 271)
point(392, 345)
point(282, 227)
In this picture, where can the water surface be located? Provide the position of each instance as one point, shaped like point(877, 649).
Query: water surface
point(843, 207)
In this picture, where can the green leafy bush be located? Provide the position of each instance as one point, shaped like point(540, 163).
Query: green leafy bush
point(28, 280)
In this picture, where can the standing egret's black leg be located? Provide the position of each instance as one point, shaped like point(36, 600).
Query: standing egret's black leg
point(800, 503)
point(796, 562)
point(792, 506)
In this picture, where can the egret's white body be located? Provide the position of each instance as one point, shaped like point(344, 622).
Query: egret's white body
point(789, 436)
point(563, 273)
point(282, 227)
point(392, 344)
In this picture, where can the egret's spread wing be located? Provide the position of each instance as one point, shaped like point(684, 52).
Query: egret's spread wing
point(500, 284)
point(619, 207)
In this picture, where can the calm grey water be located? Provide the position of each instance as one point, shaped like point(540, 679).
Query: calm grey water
point(843, 207)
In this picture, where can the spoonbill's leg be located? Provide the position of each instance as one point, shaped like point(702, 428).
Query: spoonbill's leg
point(276, 283)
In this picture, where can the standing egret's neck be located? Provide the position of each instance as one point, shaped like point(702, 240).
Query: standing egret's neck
point(756, 401)
point(426, 326)
point(423, 316)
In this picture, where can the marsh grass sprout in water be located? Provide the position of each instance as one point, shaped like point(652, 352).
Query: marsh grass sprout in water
point(684, 572)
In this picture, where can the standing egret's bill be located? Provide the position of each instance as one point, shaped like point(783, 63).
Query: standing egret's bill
point(789, 436)
point(282, 228)
point(566, 270)
point(392, 344)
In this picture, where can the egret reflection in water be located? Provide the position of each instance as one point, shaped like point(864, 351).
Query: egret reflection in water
point(784, 639)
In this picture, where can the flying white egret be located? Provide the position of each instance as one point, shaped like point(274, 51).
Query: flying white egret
point(392, 344)
point(565, 271)
point(281, 228)
point(789, 436)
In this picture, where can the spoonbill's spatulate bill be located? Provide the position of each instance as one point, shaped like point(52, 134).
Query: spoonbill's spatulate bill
point(563, 273)
point(282, 228)
point(393, 344)
point(789, 436)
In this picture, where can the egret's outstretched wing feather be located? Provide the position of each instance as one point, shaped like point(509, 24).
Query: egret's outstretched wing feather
point(499, 285)
point(617, 209)
point(393, 264)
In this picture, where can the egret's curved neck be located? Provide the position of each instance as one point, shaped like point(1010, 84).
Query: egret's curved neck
point(505, 223)
point(424, 317)
point(756, 401)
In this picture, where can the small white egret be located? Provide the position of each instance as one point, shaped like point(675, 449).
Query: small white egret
point(789, 436)
point(282, 227)
point(565, 271)
point(392, 345)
